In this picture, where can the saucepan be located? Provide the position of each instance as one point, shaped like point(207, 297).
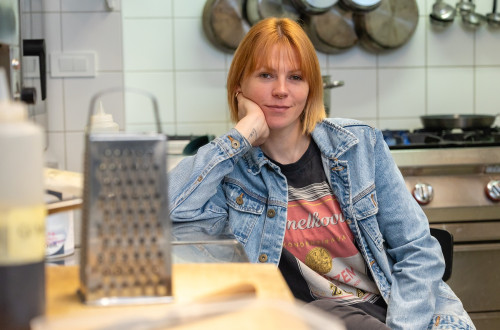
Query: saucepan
point(453, 121)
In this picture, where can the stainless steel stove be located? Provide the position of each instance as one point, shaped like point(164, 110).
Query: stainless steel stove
point(455, 177)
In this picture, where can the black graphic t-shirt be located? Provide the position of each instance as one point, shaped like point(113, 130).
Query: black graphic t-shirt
point(319, 238)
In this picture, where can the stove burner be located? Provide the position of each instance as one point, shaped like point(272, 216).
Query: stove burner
point(422, 138)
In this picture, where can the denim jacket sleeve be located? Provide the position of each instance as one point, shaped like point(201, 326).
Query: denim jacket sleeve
point(418, 261)
point(195, 190)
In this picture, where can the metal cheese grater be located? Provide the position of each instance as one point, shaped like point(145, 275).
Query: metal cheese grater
point(125, 247)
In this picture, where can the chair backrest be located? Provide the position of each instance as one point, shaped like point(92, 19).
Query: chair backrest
point(445, 238)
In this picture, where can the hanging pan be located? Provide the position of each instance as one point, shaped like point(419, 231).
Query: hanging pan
point(257, 10)
point(387, 27)
point(360, 5)
point(314, 7)
point(223, 23)
point(331, 32)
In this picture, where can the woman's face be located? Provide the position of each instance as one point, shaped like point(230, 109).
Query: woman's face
point(279, 90)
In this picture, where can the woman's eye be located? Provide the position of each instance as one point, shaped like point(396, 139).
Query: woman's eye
point(296, 77)
point(265, 75)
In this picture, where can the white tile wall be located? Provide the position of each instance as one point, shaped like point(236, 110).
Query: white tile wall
point(78, 94)
point(139, 109)
point(147, 44)
point(159, 46)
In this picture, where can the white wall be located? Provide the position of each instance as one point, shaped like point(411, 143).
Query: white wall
point(164, 51)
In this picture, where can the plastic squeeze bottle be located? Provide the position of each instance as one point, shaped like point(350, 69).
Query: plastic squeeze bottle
point(101, 122)
point(22, 215)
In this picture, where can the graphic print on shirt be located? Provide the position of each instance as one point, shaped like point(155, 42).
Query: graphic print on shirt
point(318, 236)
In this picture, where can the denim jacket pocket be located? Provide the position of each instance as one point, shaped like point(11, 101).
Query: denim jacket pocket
point(365, 209)
point(245, 209)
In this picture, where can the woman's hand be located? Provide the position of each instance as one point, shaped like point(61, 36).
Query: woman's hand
point(252, 122)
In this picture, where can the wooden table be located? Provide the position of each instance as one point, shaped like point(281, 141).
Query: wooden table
point(245, 294)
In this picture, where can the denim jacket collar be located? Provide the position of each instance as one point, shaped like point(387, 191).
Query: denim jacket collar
point(333, 139)
point(338, 141)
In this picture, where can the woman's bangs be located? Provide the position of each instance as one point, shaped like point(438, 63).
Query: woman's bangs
point(265, 51)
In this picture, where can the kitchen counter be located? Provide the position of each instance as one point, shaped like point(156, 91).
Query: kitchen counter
point(208, 296)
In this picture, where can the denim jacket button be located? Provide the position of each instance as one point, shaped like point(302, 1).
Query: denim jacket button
point(263, 257)
point(271, 213)
point(239, 199)
point(234, 143)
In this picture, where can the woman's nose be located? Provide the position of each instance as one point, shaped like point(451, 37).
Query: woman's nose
point(280, 89)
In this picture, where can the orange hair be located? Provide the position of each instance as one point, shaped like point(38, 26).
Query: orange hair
point(255, 50)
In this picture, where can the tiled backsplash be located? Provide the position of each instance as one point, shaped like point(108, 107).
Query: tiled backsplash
point(159, 46)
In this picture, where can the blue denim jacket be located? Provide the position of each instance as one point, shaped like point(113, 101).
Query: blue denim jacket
point(231, 186)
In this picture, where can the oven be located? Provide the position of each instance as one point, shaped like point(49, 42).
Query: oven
point(458, 186)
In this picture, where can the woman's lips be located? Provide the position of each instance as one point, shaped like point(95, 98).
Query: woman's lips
point(277, 107)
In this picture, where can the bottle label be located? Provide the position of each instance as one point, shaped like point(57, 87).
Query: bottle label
point(22, 235)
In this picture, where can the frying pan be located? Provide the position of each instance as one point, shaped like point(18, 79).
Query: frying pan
point(314, 7)
point(331, 32)
point(257, 10)
point(440, 122)
point(223, 23)
point(360, 5)
point(388, 26)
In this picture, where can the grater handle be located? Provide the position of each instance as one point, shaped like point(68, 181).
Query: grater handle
point(124, 89)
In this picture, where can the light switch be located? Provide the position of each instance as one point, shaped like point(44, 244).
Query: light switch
point(80, 64)
point(66, 65)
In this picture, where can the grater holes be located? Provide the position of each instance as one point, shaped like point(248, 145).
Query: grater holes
point(117, 271)
point(106, 271)
point(112, 167)
point(128, 203)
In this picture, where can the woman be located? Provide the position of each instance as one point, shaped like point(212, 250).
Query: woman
point(321, 198)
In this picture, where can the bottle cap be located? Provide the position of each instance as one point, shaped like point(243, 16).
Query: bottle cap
point(101, 121)
point(100, 116)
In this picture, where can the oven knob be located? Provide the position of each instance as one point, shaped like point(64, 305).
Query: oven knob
point(423, 193)
point(493, 190)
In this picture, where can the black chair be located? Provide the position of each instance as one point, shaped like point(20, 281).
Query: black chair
point(445, 238)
